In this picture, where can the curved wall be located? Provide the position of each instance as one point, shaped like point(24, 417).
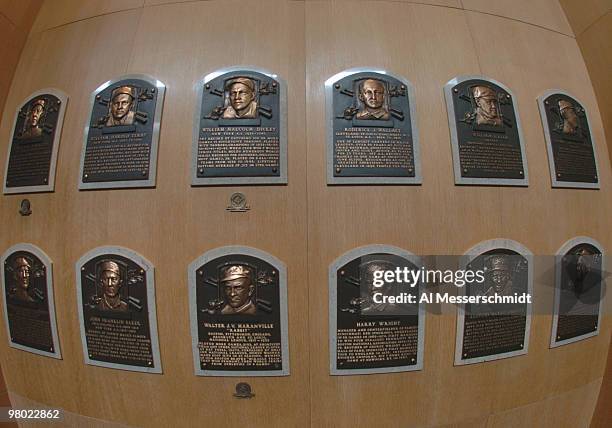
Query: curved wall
point(307, 224)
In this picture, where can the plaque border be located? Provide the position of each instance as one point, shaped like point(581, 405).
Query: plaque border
point(57, 354)
point(150, 275)
point(282, 131)
point(454, 139)
point(151, 181)
point(329, 121)
point(193, 310)
point(551, 160)
point(333, 304)
point(568, 245)
point(467, 257)
point(50, 186)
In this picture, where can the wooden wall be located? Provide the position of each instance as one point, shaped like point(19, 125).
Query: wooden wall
point(591, 21)
point(527, 45)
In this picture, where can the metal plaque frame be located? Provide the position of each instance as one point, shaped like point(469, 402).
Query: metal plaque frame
point(329, 121)
point(448, 93)
point(31, 248)
point(549, 149)
point(333, 304)
point(150, 275)
point(193, 310)
point(50, 186)
point(282, 130)
point(561, 253)
point(467, 258)
point(159, 105)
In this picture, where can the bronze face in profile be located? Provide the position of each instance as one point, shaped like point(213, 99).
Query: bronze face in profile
point(110, 281)
point(241, 102)
point(373, 97)
point(238, 290)
point(121, 106)
point(487, 106)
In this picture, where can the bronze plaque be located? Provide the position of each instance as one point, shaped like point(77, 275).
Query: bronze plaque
point(571, 152)
point(117, 310)
point(490, 331)
point(578, 291)
point(372, 135)
point(368, 334)
point(238, 304)
point(34, 144)
point(122, 134)
point(486, 135)
point(28, 300)
point(240, 131)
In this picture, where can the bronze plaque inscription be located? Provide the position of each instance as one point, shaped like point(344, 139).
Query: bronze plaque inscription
point(240, 310)
point(494, 329)
point(122, 136)
point(372, 134)
point(117, 312)
point(28, 307)
point(372, 335)
point(240, 132)
point(570, 143)
point(486, 135)
point(35, 134)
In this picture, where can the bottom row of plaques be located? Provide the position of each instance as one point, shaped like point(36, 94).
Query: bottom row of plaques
point(238, 307)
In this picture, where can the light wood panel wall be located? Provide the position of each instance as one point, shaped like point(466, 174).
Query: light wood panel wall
point(591, 21)
point(306, 224)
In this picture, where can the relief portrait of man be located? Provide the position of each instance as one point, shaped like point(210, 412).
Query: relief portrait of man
point(498, 276)
point(33, 125)
point(568, 115)
point(368, 305)
point(110, 281)
point(372, 95)
point(121, 106)
point(22, 271)
point(582, 261)
point(241, 92)
point(238, 290)
point(487, 106)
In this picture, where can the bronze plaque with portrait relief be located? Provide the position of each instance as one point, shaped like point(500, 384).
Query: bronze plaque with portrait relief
point(486, 135)
point(28, 300)
point(372, 134)
point(495, 324)
point(34, 144)
point(122, 134)
point(579, 284)
point(240, 129)
point(117, 310)
point(368, 334)
point(571, 151)
point(238, 306)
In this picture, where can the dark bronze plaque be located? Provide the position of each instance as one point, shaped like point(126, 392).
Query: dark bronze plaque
point(372, 136)
point(117, 310)
point(240, 134)
point(34, 143)
point(490, 331)
point(239, 313)
point(570, 144)
point(28, 297)
point(579, 279)
point(121, 137)
point(368, 335)
point(485, 133)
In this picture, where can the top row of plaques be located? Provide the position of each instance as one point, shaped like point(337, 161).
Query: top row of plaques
point(240, 133)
